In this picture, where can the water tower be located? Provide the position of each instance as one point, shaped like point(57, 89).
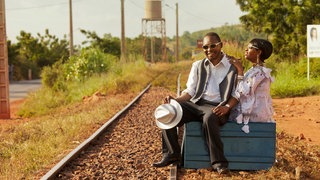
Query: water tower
point(153, 27)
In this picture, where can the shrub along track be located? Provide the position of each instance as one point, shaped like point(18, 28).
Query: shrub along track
point(128, 148)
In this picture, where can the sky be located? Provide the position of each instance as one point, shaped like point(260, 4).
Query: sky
point(104, 16)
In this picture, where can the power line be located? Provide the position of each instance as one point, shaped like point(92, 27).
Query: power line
point(135, 4)
point(196, 16)
point(41, 6)
point(191, 14)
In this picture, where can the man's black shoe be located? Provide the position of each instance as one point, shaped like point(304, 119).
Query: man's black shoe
point(166, 161)
point(222, 170)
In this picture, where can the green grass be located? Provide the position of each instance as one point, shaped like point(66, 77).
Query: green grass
point(287, 85)
point(291, 81)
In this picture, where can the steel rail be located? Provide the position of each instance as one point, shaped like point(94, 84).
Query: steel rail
point(73, 154)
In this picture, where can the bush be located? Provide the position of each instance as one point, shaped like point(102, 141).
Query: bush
point(77, 68)
point(291, 81)
point(53, 77)
point(90, 61)
point(301, 68)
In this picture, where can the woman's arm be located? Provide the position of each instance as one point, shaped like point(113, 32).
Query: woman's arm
point(247, 86)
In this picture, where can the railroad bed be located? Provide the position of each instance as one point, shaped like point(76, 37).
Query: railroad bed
point(127, 149)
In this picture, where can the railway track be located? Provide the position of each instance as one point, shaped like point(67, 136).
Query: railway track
point(123, 148)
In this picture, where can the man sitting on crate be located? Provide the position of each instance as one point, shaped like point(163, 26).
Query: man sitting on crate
point(208, 98)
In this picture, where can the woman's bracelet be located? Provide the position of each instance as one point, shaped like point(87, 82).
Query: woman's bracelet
point(240, 77)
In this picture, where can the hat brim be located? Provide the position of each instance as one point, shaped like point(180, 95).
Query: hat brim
point(176, 120)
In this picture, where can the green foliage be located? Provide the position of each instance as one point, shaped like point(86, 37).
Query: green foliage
point(54, 49)
point(44, 50)
point(111, 45)
point(130, 76)
point(53, 77)
point(301, 68)
point(42, 101)
point(78, 68)
point(291, 80)
point(89, 62)
point(153, 44)
point(34, 53)
point(287, 86)
point(107, 44)
point(285, 22)
point(135, 46)
point(227, 33)
point(187, 53)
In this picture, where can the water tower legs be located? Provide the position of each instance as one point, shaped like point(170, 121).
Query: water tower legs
point(152, 28)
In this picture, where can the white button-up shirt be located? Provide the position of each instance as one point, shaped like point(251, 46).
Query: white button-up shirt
point(216, 76)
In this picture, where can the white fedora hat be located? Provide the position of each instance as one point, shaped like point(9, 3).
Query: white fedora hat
point(168, 115)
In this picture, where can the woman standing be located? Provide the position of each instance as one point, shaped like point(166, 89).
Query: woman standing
point(253, 89)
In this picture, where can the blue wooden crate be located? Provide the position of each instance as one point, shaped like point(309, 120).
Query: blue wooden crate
point(253, 151)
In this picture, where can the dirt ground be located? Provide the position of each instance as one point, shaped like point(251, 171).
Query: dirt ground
point(298, 116)
point(14, 107)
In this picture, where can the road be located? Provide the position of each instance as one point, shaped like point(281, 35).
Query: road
point(20, 89)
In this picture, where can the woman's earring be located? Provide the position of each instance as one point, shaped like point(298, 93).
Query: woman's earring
point(258, 58)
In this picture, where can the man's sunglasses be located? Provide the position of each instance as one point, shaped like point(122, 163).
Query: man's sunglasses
point(212, 46)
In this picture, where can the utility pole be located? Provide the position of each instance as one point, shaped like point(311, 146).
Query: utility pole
point(123, 37)
point(177, 34)
point(4, 75)
point(71, 28)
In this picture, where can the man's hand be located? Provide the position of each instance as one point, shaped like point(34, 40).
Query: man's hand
point(221, 110)
point(167, 99)
point(183, 97)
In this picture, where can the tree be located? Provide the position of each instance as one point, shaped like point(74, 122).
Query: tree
point(43, 50)
point(108, 44)
point(284, 21)
point(35, 53)
point(54, 49)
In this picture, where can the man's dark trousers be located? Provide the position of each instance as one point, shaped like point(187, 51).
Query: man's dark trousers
point(202, 112)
